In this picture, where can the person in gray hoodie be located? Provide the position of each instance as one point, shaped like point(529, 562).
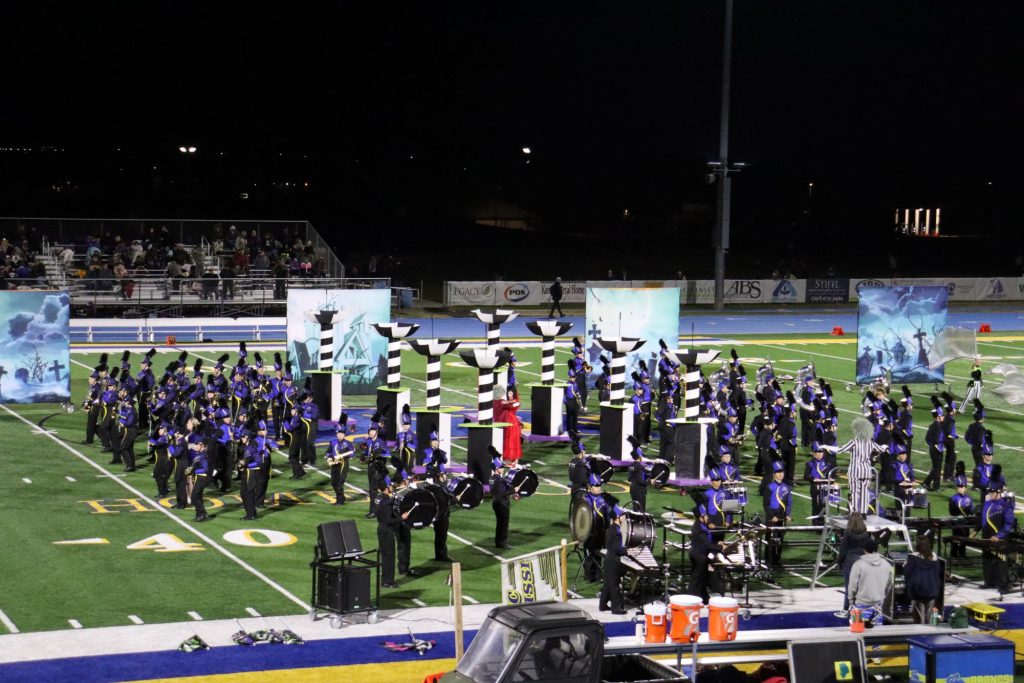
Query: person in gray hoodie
point(870, 579)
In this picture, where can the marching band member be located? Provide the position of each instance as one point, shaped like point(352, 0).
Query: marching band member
point(581, 369)
point(949, 426)
point(975, 435)
point(338, 454)
point(778, 506)
point(219, 449)
point(714, 499)
point(178, 451)
point(389, 525)
point(986, 472)
point(92, 407)
point(289, 398)
point(435, 459)
point(160, 442)
point(644, 435)
point(599, 512)
point(145, 382)
point(611, 591)
point(705, 545)
point(637, 476)
point(263, 443)
point(108, 413)
point(404, 455)
point(199, 473)
point(374, 455)
point(960, 505)
point(572, 402)
point(995, 524)
point(903, 477)
point(579, 475)
point(127, 429)
point(817, 471)
point(501, 491)
point(276, 396)
point(252, 463)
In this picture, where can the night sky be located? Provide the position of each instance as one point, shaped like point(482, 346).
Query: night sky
point(409, 113)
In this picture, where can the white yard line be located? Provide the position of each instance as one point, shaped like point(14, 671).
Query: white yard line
point(472, 601)
point(251, 612)
point(418, 602)
point(135, 620)
point(195, 616)
point(70, 478)
point(26, 480)
point(177, 520)
point(75, 623)
point(8, 624)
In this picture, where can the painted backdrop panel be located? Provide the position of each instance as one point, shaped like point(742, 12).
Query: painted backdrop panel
point(650, 314)
point(35, 347)
point(895, 328)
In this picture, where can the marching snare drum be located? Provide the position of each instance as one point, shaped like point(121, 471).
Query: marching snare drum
point(466, 492)
point(522, 480)
point(423, 503)
point(637, 530)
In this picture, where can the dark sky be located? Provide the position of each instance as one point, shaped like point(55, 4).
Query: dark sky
point(880, 103)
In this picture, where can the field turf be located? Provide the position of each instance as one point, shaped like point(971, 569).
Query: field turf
point(136, 559)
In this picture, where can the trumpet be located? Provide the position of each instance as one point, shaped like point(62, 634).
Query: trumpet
point(587, 368)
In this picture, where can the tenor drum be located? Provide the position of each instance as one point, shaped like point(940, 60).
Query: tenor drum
point(523, 481)
point(602, 467)
point(638, 530)
point(423, 504)
point(465, 492)
point(658, 472)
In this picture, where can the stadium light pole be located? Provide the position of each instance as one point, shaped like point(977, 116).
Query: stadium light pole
point(720, 169)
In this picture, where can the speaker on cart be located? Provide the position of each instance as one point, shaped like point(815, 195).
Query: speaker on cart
point(339, 539)
point(342, 588)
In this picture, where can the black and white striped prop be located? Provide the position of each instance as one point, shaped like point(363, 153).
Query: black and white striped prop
point(486, 363)
point(494, 321)
point(433, 349)
point(691, 360)
point(619, 347)
point(327, 319)
point(547, 330)
point(395, 333)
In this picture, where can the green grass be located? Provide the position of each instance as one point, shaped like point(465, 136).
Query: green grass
point(43, 585)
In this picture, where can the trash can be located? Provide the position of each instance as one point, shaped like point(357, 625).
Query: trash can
point(960, 657)
point(405, 297)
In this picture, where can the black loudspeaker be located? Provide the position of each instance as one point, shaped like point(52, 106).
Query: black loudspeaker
point(339, 539)
point(342, 588)
point(687, 452)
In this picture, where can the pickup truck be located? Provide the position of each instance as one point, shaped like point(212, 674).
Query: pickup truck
point(550, 641)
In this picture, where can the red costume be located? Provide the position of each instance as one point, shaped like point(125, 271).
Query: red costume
point(505, 411)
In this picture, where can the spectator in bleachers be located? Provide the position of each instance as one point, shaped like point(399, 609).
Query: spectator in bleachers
point(67, 257)
point(218, 245)
point(280, 274)
point(174, 272)
point(227, 276)
point(241, 243)
point(261, 263)
point(240, 263)
point(210, 281)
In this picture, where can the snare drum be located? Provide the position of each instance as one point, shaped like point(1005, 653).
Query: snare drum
point(465, 492)
point(422, 503)
point(602, 467)
point(918, 497)
point(522, 480)
point(657, 472)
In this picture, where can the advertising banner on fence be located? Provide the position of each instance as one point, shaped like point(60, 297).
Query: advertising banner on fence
point(358, 349)
point(783, 291)
point(828, 290)
point(519, 293)
point(35, 347)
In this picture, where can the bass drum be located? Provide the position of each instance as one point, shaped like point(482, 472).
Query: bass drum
point(602, 467)
point(523, 481)
point(584, 524)
point(465, 492)
point(658, 472)
point(638, 530)
point(423, 504)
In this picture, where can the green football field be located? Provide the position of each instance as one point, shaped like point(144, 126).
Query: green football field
point(89, 545)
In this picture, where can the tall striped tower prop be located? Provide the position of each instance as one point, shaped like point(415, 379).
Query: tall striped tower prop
point(616, 414)
point(690, 432)
point(546, 398)
point(393, 396)
point(485, 431)
point(494, 321)
point(433, 413)
point(327, 385)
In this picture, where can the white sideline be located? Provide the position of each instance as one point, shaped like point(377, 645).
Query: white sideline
point(213, 544)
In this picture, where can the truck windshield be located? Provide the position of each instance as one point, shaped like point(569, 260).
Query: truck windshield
point(485, 659)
